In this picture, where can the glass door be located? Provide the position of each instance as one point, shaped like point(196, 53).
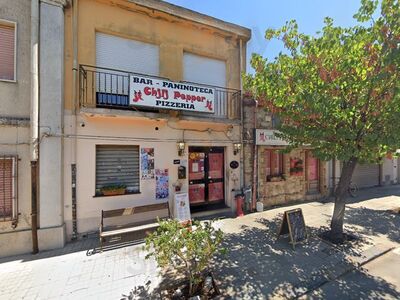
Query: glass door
point(206, 176)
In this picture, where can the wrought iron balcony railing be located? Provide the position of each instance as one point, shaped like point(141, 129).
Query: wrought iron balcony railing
point(109, 88)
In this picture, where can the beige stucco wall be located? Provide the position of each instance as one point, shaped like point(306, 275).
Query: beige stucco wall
point(164, 144)
point(174, 35)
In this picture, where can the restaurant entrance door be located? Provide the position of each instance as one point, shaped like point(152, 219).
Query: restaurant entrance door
point(206, 177)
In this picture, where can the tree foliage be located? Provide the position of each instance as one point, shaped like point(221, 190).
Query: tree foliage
point(338, 91)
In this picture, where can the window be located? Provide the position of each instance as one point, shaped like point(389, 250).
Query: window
point(201, 69)
point(8, 188)
point(7, 50)
point(273, 163)
point(117, 170)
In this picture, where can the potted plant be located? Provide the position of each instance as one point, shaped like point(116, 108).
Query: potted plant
point(188, 249)
point(297, 167)
point(276, 178)
point(113, 189)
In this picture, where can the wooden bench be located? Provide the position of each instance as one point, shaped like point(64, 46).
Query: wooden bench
point(137, 226)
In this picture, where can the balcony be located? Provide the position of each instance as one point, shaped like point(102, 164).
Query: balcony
point(109, 88)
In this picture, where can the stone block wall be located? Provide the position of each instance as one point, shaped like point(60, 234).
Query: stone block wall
point(294, 188)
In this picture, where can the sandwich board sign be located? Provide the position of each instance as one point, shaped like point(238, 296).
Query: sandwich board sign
point(293, 224)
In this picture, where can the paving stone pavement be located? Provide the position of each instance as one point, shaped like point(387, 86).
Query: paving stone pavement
point(257, 266)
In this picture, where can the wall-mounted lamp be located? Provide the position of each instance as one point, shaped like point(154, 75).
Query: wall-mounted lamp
point(181, 148)
point(236, 148)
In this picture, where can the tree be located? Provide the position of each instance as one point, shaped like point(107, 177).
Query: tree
point(338, 91)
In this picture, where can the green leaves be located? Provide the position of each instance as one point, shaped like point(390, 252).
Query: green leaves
point(338, 91)
point(185, 247)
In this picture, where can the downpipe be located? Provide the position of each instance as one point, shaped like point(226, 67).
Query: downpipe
point(34, 116)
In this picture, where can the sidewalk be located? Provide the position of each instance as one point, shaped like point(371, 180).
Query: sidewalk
point(256, 266)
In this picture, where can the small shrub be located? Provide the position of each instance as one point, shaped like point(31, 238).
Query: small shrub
point(185, 247)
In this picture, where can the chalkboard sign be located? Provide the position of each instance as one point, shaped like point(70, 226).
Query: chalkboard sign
point(293, 224)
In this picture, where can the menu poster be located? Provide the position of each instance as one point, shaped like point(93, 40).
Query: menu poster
point(147, 163)
point(162, 186)
point(181, 207)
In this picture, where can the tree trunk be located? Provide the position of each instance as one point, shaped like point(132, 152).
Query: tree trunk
point(336, 234)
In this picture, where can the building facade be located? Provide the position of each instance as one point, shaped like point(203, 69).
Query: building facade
point(30, 30)
point(152, 108)
point(280, 178)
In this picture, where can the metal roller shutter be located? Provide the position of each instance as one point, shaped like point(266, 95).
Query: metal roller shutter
point(366, 175)
point(204, 70)
point(117, 164)
point(128, 55)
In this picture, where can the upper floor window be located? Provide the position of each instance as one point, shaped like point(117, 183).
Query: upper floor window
point(8, 31)
point(205, 70)
point(123, 54)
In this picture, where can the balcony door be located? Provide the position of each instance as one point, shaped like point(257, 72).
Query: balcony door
point(206, 176)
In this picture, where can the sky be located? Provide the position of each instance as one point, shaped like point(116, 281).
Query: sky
point(258, 15)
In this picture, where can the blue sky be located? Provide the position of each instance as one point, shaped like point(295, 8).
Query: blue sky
point(258, 15)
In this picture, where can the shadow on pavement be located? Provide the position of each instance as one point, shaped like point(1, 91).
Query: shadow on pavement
point(373, 222)
point(258, 266)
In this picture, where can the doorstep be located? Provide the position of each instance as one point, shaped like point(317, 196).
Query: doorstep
point(221, 213)
point(313, 197)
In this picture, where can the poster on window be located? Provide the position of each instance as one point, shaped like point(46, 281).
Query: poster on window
point(162, 186)
point(147, 163)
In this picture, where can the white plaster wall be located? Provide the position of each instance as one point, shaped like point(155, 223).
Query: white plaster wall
point(51, 114)
point(89, 207)
point(389, 171)
point(15, 96)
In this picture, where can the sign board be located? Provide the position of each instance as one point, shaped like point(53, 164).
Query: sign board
point(151, 92)
point(181, 207)
point(177, 161)
point(293, 224)
point(268, 137)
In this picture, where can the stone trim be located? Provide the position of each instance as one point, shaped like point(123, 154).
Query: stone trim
point(14, 121)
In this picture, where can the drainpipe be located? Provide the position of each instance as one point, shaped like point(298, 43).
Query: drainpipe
point(241, 130)
point(254, 200)
point(34, 116)
point(75, 103)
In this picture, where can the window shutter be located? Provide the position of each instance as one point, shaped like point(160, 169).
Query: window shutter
point(117, 164)
point(267, 162)
point(274, 162)
point(128, 55)
point(201, 69)
point(7, 51)
point(6, 188)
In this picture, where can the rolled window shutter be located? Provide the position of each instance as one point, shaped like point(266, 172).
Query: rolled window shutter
point(7, 52)
point(117, 164)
